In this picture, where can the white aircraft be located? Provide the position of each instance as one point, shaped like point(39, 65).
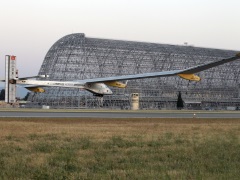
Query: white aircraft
point(99, 86)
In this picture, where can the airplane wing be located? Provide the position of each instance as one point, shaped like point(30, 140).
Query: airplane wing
point(184, 73)
point(134, 76)
point(210, 65)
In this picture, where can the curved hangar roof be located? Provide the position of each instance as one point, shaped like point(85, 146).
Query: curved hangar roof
point(76, 56)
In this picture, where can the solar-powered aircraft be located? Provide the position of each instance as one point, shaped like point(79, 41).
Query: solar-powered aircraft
point(99, 86)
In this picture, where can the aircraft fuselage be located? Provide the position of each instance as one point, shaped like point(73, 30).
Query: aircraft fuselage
point(95, 88)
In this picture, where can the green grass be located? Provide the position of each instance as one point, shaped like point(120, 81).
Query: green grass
point(167, 156)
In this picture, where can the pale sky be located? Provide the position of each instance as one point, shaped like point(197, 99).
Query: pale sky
point(29, 28)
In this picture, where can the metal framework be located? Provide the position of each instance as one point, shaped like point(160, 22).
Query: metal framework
point(76, 56)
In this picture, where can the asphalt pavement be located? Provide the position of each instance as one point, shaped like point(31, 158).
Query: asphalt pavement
point(124, 114)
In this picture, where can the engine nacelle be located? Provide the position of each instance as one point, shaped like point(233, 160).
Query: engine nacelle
point(115, 84)
point(36, 89)
point(190, 77)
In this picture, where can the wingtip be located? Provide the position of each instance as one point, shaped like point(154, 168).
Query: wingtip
point(238, 54)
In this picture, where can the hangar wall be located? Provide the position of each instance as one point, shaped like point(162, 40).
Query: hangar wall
point(76, 56)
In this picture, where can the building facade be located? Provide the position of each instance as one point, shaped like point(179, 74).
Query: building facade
point(76, 57)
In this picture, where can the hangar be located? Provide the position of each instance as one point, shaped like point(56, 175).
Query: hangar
point(75, 57)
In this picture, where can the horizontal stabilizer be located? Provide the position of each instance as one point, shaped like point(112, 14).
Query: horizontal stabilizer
point(32, 77)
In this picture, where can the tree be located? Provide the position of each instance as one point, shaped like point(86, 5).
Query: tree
point(179, 101)
point(2, 94)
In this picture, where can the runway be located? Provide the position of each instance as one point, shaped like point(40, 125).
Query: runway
point(122, 114)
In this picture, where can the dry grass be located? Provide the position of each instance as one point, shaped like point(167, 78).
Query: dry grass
point(97, 148)
point(100, 128)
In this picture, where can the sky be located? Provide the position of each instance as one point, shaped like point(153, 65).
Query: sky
point(29, 28)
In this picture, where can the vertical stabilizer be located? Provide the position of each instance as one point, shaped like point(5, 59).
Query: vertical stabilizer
point(10, 73)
